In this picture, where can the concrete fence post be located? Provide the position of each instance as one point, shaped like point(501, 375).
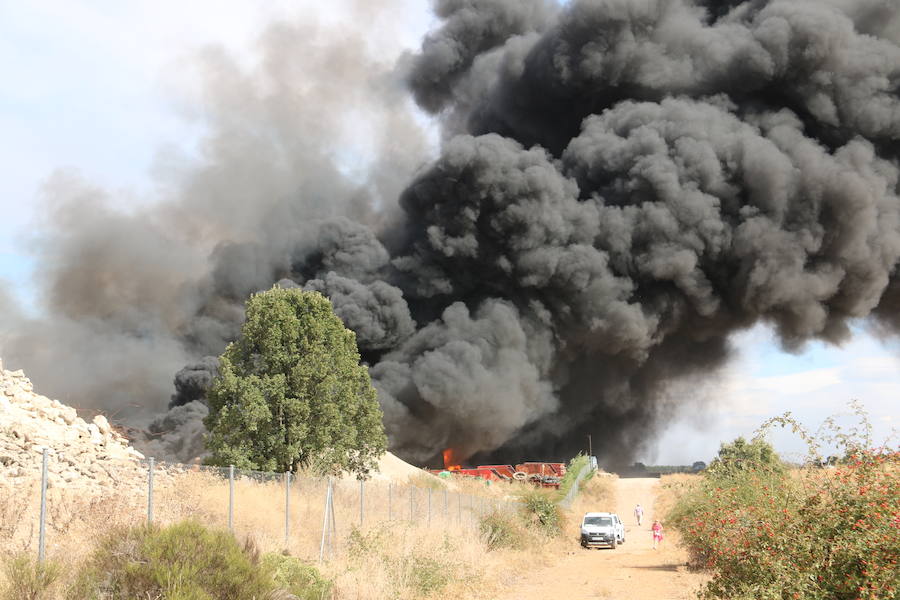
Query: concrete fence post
point(429, 506)
point(150, 469)
point(362, 501)
point(42, 525)
point(390, 501)
point(231, 497)
point(446, 505)
point(287, 506)
point(412, 492)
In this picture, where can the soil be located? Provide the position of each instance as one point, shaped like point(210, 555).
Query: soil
point(634, 570)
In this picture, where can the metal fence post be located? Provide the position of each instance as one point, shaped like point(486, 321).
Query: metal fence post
point(42, 525)
point(362, 500)
point(150, 490)
point(287, 505)
point(325, 520)
point(231, 497)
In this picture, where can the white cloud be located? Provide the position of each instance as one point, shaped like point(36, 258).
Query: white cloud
point(811, 385)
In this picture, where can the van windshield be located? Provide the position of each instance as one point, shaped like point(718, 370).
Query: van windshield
point(601, 521)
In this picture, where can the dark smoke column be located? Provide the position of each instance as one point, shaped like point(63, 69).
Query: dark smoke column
point(623, 186)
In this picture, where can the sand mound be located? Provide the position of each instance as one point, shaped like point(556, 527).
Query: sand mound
point(391, 468)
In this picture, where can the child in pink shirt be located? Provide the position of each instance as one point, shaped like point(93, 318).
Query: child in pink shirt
point(657, 529)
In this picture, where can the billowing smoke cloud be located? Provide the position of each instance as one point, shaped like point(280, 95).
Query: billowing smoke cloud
point(622, 186)
point(315, 127)
point(649, 177)
point(192, 381)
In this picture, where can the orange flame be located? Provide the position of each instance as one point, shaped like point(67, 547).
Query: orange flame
point(451, 460)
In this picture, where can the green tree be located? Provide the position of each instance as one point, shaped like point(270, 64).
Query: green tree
point(741, 455)
point(291, 391)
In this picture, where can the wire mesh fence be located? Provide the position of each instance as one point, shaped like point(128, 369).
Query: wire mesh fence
point(301, 513)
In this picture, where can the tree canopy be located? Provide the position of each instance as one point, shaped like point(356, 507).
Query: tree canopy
point(741, 455)
point(291, 391)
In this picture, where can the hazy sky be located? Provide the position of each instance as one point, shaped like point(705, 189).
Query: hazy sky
point(95, 87)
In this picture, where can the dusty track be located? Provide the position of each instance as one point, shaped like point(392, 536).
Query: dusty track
point(634, 570)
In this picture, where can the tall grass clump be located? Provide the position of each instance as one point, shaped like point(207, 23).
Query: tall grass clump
point(502, 530)
point(28, 579)
point(766, 532)
point(405, 562)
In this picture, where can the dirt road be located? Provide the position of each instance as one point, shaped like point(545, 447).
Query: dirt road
point(634, 570)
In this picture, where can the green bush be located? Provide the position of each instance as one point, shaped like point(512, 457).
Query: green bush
point(541, 511)
point(427, 574)
point(813, 533)
point(28, 579)
point(303, 581)
point(501, 530)
point(741, 456)
point(572, 470)
point(185, 561)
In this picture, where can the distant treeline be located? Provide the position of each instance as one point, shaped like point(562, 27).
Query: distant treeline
point(642, 470)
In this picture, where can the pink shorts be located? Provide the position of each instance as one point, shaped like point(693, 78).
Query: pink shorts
point(657, 536)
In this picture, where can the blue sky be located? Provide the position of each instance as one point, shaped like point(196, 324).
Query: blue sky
point(94, 87)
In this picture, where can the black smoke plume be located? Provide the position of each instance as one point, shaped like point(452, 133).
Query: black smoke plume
point(621, 187)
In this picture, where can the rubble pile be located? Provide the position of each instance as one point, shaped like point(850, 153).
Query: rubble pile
point(81, 454)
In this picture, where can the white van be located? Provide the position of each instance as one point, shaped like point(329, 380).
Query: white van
point(602, 529)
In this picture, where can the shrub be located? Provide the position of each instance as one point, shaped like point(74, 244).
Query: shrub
point(542, 512)
point(812, 533)
point(502, 530)
point(185, 561)
point(28, 579)
point(427, 574)
point(301, 580)
point(741, 456)
point(572, 470)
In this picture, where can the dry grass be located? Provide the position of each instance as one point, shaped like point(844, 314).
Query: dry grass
point(402, 549)
point(671, 487)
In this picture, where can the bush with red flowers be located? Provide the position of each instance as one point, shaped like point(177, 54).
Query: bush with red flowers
point(829, 533)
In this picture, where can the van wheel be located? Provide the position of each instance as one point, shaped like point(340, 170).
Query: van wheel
point(613, 545)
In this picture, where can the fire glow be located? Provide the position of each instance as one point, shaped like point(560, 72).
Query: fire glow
point(451, 460)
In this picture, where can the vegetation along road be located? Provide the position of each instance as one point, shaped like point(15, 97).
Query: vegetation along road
point(634, 570)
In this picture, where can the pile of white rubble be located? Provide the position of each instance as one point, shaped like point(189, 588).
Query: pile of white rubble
point(81, 454)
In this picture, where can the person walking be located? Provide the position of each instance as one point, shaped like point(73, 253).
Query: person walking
point(639, 514)
point(657, 529)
